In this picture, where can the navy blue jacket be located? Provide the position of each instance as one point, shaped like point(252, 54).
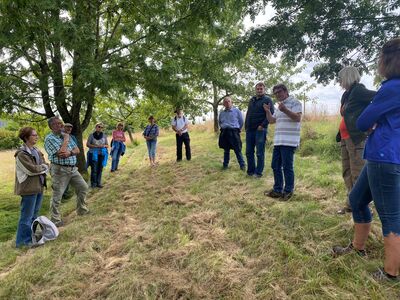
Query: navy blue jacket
point(255, 115)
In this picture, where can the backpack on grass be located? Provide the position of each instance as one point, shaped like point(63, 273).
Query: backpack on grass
point(43, 230)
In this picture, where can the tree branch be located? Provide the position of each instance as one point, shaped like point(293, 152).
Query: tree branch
point(29, 109)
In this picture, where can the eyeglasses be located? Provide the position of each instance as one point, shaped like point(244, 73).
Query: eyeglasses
point(99, 127)
point(277, 92)
point(34, 135)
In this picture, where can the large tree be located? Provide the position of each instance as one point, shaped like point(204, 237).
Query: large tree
point(57, 55)
point(333, 33)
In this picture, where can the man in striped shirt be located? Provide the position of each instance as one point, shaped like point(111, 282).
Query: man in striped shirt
point(286, 139)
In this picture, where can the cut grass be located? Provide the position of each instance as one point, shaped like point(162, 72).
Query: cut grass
point(189, 230)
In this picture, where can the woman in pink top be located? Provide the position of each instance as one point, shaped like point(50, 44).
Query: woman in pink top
point(118, 146)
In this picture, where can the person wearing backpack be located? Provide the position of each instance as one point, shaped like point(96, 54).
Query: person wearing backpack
point(180, 125)
point(30, 178)
point(150, 134)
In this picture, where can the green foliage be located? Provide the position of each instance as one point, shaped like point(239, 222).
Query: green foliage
point(58, 56)
point(318, 141)
point(8, 139)
point(334, 33)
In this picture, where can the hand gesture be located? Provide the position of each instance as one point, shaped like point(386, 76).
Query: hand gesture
point(282, 107)
point(267, 107)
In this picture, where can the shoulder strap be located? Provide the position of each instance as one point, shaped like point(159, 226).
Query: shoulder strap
point(148, 134)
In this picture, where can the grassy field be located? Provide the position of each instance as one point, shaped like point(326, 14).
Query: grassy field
point(192, 231)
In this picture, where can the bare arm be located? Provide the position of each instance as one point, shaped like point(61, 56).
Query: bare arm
point(268, 114)
point(63, 151)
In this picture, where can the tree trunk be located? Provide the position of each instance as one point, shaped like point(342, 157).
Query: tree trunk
point(128, 129)
point(215, 111)
point(215, 107)
point(81, 156)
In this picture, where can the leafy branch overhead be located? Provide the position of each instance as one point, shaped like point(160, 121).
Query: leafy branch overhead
point(58, 55)
point(332, 33)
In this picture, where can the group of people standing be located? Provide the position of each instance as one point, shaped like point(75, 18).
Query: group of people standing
point(369, 134)
point(62, 149)
point(260, 113)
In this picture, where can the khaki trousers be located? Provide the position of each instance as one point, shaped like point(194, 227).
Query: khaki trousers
point(352, 163)
point(62, 176)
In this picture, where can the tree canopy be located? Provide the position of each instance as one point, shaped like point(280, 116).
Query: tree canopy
point(58, 55)
point(333, 33)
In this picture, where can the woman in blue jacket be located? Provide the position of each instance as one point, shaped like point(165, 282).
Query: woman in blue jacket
point(380, 178)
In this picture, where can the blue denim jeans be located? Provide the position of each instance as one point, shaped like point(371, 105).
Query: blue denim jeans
point(151, 148)
point(30, 206)
point(380, 182)
point(115, 159)
point(282, 160)
point(239, 157)
point(255, 139)
point(96, 171)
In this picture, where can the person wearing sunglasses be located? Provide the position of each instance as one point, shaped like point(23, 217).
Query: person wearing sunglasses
point(97, 155)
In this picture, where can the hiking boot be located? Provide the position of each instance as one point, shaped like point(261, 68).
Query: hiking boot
point(339, 250)
point(224, 168)
point(381, 276)
point(83, 212)
point(273, 194)
point(257, 176)
point(286, 196)
point(344, 210)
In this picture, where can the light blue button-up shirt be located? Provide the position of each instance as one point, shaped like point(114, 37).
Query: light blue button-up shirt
point(231, 118)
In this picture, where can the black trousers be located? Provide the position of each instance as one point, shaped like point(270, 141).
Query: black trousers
point(183, 139)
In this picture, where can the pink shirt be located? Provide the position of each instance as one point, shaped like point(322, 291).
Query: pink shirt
point(118, 135)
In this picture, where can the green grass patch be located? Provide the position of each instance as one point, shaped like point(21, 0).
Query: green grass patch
point(189, 230)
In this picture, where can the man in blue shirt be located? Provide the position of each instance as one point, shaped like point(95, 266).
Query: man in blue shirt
point(256, 126)
point(230, 123)
point(62, 151)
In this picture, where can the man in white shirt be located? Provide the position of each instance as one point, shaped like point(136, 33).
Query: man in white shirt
point(180, 125)
point(286, 140)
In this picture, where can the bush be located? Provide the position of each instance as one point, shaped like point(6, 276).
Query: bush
point(323, 145)
point(8, 140)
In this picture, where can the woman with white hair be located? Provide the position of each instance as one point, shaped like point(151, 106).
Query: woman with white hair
point(379, 180)
point(354, 100)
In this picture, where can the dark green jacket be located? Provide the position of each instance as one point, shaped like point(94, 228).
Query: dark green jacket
point(354, 102)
